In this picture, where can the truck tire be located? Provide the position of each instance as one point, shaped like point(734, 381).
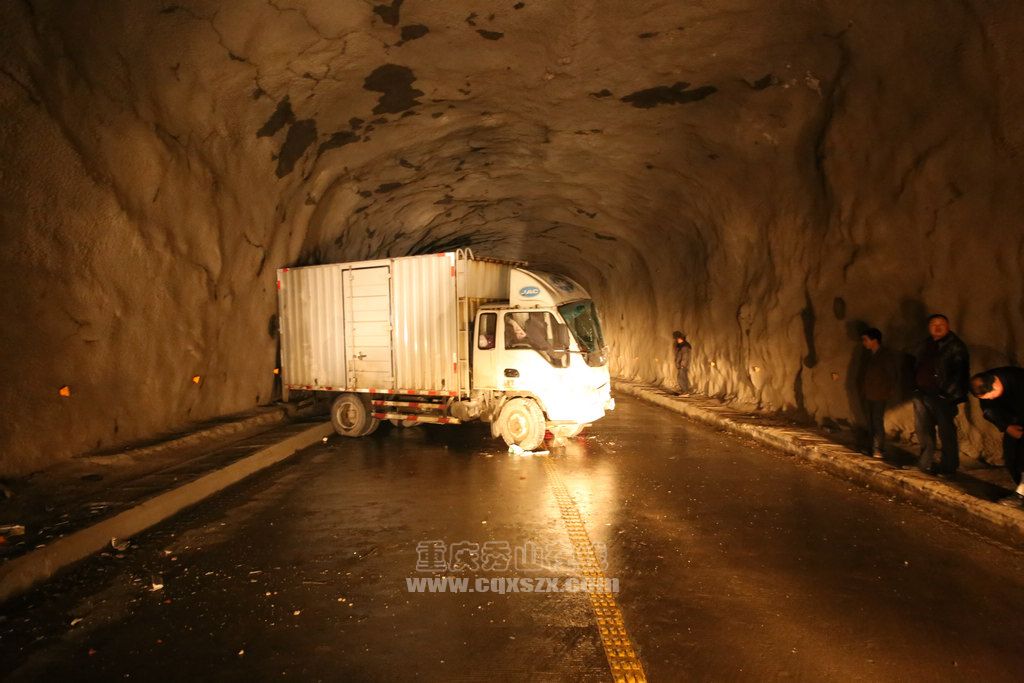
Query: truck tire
point(521, 423)
point(374, 424)
point(351, 416)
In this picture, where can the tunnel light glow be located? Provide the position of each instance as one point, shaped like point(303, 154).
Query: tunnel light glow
point(196, 379)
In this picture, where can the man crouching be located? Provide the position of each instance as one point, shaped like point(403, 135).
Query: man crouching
point(1001, 394)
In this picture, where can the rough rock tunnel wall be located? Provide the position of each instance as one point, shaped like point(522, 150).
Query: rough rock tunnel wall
point(765, 174)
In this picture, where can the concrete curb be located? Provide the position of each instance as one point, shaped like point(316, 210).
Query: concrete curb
point(21, 573)
point(239, 429)
point(993, 520)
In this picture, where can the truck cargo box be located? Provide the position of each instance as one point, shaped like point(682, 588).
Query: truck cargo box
point(398, 325)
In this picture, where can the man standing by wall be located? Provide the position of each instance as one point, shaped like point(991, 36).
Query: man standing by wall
point(1001, 394)
point(940, 385)
point(877, 386)
point(683, 353)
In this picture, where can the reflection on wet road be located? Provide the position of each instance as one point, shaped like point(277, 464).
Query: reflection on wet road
point(431, 554)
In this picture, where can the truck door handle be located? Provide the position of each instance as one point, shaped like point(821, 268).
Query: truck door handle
point(511, 372)
point(360, 356)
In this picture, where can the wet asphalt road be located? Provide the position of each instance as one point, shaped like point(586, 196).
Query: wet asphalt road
point(733, 562)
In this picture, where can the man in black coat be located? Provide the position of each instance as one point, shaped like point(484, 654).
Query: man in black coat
point(1001, 394)
point(940, 385)
point(683, 353)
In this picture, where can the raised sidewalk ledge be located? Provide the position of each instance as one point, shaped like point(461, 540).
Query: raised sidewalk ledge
point(998, 522)
point(228, 429)
point(82, 506)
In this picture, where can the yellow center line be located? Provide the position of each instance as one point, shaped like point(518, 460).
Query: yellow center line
point(618, 647)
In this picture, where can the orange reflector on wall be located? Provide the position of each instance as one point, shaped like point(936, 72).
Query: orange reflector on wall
point(65, 391)
point(277, 371)
point(196, 379)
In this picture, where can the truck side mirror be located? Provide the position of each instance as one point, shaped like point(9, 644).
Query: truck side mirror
point(560, 352)
point(561, 338)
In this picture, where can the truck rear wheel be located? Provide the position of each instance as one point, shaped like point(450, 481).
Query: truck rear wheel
point(521, 423)
point(351, 416)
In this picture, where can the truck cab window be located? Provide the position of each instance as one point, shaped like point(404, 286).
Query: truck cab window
point(534, 330)
point(486, 333)
point(582, 320)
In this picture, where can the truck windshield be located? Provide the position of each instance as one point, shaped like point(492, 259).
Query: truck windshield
point(581, 318)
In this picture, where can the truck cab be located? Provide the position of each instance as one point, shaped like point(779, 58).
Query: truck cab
point(546, 348)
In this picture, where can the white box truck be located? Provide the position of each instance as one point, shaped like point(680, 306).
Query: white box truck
point(445, 338)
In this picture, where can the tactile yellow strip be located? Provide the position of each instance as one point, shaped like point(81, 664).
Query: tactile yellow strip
point(622, 658)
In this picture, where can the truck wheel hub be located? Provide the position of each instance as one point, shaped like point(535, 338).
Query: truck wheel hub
point(346, 415)
point(517, 425)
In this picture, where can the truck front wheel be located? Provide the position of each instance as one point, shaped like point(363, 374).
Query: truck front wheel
point(351, 416)
point(521, 423)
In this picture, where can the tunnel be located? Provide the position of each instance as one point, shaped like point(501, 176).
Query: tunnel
point(770, 177)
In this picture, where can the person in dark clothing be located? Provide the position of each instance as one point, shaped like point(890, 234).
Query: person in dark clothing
point(1000, 392)
point(940, 384)
point(682, 360)
point(877, 386)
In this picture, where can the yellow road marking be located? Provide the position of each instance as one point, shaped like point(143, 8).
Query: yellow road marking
point(618, 647)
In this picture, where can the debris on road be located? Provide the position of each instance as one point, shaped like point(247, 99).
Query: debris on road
point(517, 450)
point(119, 544)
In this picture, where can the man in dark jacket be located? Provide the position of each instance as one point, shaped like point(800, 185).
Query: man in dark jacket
point(1001, 394)
point(877, 386)
point(940, 385)
point(682, 360)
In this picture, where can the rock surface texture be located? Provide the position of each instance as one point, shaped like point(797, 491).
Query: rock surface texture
point(766, 175)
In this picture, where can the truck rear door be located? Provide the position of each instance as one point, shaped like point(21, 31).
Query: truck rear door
point(368, 328)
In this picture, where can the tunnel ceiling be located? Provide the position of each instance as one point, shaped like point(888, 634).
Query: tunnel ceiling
point(765, 174)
